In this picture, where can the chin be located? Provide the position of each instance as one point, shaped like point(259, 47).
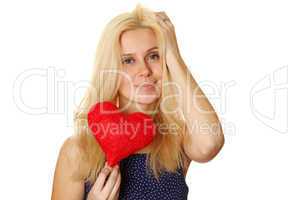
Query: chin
point(146, 99)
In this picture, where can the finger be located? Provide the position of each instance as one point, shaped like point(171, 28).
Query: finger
point(164, 15)
point(116, 188)
point(167, 21)
point(99, 183)
point(159, 16)
point(161, 22)
point(158, 12)
point(164, 21)
point(111, 180)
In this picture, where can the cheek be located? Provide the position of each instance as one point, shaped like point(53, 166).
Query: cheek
point(127, 76)
point(126, 82)
point(157, 70)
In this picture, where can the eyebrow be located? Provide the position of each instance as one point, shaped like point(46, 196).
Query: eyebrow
point(129, 54)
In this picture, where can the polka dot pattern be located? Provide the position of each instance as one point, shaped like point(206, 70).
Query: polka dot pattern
point(138, 183)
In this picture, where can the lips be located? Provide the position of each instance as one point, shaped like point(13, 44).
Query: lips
point(146, 84)
point(144, 81)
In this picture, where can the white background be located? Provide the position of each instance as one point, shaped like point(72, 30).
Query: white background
point(244, 55)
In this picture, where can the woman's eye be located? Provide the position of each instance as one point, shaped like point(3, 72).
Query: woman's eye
point(128, 61)
point(154, 56)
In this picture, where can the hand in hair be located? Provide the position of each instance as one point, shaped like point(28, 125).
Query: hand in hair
point(168, 30)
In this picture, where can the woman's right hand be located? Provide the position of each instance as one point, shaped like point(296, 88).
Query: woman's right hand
point(109, 189)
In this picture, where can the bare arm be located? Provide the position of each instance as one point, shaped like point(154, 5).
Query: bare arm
point(205, 136)
point(64, 187)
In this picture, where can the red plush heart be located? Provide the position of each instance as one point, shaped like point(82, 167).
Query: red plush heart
point(119, 134)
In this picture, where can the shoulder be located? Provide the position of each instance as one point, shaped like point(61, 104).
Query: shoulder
point(70, 149)
point(68, 158)
point(67, 167)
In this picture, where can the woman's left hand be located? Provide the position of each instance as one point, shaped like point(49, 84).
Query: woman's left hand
point(174, 61)
point(172, 50)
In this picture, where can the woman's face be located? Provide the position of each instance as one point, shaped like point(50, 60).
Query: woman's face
point(141, 66)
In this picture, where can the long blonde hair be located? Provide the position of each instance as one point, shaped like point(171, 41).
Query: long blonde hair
point(166, 151)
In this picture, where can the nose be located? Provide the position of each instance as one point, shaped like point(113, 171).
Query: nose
point(145, 70)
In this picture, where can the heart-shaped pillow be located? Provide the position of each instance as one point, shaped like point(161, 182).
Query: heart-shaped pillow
point(119, 134)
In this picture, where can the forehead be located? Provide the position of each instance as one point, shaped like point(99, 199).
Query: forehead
point(137, 40)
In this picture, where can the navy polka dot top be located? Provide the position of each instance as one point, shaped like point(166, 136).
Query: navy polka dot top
point(137, 183)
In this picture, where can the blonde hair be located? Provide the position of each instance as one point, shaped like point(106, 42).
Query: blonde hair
point(166, 151)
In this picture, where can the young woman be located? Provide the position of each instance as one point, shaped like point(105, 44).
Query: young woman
point(138, 66)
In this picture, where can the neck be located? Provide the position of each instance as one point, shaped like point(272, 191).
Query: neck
point(128, 107)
